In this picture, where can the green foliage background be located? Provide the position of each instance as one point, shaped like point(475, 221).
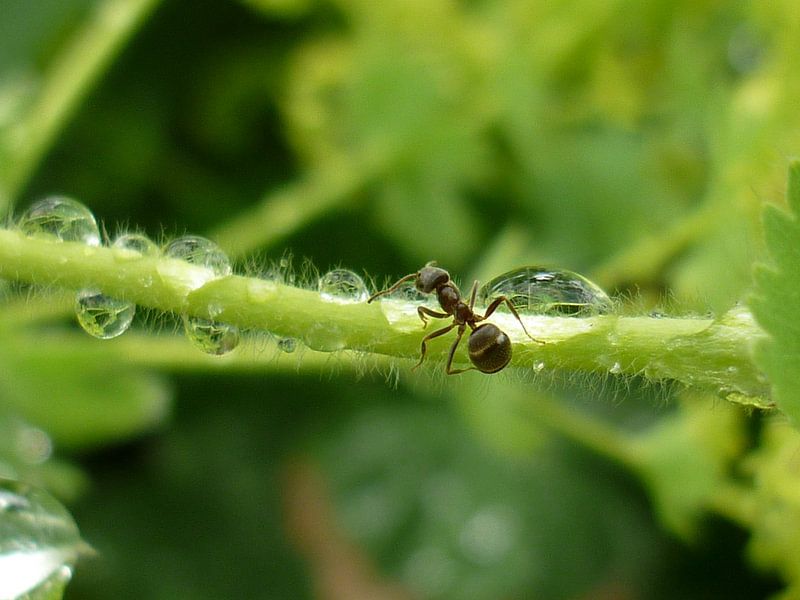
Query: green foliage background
point(634, 142)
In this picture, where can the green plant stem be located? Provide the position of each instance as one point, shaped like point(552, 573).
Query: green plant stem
point(174, 354)
point(704, 353)
point(76, 71)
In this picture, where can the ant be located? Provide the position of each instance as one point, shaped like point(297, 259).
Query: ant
point(489, 346)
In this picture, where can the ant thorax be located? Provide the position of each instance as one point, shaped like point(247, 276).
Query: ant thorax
point(449, 298)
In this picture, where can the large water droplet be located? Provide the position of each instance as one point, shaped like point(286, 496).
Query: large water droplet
point(539, 290)
point(342, 286)
point(101, 316)
point(38, 540)
point(60, 218)
point(210, 336)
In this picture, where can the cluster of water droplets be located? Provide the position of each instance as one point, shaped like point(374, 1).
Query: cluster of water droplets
point(66, 220)
point(63, 219)
point(105, 317)
point(209, 335)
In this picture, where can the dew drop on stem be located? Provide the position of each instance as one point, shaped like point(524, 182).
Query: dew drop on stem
point(287, 345)
point(102, 316)
point(62, 219)
point(545, 291)
point(212, 337)
point(342, 286)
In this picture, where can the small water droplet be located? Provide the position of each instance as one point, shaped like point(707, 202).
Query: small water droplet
point(732, 370)
point(287, 345)
point(538, 366)
point(324, 337)
point(60, 218)
point(131, 246)
point(615, 369)
point(38, 540)
point(539, 290)
point(209, 336)
point(101, 316)
point(342, 286)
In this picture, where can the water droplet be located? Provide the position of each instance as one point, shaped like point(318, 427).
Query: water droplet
point(615, 369)
point(287, 345)
point(210, 336)
point(732, 370)
point(324, 337)
point(538, 366)
point(131, 246)
point(60, 218)
point(342, 286)
point(38, 540)
point(539, 290)
point(101, 316)
point(200, 251)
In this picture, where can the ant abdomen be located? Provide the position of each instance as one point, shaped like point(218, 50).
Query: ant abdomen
point(489, 348)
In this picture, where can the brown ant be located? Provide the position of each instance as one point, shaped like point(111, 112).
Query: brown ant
point(489, 346)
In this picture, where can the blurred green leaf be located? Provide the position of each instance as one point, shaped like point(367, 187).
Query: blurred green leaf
point(776, 303)
point(80, 404)
point(685, 458)
point(451, 518)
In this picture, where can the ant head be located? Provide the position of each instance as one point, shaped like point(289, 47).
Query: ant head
point(430, 277)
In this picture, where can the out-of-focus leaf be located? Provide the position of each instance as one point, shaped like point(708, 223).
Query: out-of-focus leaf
point(775, 509)
point(80, 404)
point(450, 518)
point(776, 302)
point(285, 8)
point(397, 88)
point(685, 458)
point(39, 543)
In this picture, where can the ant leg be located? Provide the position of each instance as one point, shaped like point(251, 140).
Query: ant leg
point(424, 347)
point(392, 288)
point(424, 310)
point(450, 370)
point(503, 299)
point(473, 294)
